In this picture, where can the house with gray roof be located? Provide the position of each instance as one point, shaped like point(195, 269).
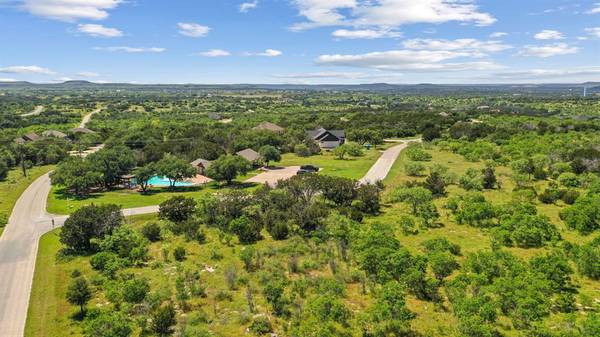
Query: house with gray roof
point(328, 139)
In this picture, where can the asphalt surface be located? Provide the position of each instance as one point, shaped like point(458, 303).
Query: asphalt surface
point(29, 221)
point(383, 165)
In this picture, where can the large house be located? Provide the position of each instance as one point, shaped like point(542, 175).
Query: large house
point(269, 127)
point(328, 139)
point(250, 155)
point(201, 165)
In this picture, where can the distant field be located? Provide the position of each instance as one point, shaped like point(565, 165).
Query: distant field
point(12, 188)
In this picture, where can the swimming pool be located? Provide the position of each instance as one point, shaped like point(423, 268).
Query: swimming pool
point(164, 182)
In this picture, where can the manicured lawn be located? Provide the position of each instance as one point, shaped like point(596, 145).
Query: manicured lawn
point(60, 203)
point(12, 188)
point(354, 168)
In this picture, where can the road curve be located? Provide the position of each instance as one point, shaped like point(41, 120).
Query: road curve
point(86, 119)
point(29, 221)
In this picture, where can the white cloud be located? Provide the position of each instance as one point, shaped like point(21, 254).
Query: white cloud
point(549, 50)
point(87, 74)
point(595, 32)
point(7, 80)
point(99, 30)
point(572, 74)
point(132, 49)
point(407, 60)
point(215, 53)
point(70, 10)
point(547, 34)
point(193, 29)
point(498, 35)
point(476, 47)
point(595, 9)
point(387, 13)
point(246, 6)
point(364, 34)
point(63, 79)
point(266, 53)
point(26, 70)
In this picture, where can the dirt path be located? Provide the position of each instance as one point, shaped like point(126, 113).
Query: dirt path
point(38, 110)
point(86, 119)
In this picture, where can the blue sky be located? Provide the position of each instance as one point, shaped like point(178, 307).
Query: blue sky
point(300, 41)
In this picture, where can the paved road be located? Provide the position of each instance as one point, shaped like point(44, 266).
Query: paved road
point(29, 221)
point(86, 119)
point(383, 165)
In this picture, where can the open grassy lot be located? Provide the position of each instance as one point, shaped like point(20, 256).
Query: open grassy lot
point(12, 188)
point(354, 168)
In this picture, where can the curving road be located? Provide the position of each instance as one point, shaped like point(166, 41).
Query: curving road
point(29, 221)
point(86, 119)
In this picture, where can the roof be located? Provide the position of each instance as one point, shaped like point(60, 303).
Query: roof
point(318, 134)
point(205, 163)
point(82, 130)
point(54, 133)
point(31, 136)
point(249, 155)
point(269, 126)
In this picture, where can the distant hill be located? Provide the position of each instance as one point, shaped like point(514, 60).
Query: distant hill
point(424, 88)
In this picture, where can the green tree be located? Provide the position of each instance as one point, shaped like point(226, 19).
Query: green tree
point(442, 264)
point(269, 153)
point(341, 151)
point(112, 163)
point(227, 168)
point(174, 169)
point(3, 169)
point(414, 196)
point(77, 175)
point(87, 223)
point(108, 324)
point(163, 320)
point(177, 209)
point(79, 293)
point(143, 175)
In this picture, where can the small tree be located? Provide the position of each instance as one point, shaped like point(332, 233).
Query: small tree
point(489, 178)
point(177, 209)
point(436, 184)
point(414, 196)
point(79, 293)
point(163, 320)
point(3, 169)
point(143, 175)
point(269, 153)
point(108, 324)
point(227, 168)
point(341, 151)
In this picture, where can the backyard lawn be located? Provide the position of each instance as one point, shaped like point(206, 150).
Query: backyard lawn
point(12, 188)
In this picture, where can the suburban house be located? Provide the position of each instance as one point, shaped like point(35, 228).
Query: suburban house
point(201, 165)
point(328, 139)
point(269, 127)
point(250, 155)
point(54, 133)
point(30, 137)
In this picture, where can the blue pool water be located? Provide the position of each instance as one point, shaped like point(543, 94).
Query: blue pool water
point(163, 181)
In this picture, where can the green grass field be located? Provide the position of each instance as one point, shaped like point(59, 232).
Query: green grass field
point(354, 168)
point(12, 188)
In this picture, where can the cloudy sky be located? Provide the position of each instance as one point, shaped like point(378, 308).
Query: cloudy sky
point(300, 41)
